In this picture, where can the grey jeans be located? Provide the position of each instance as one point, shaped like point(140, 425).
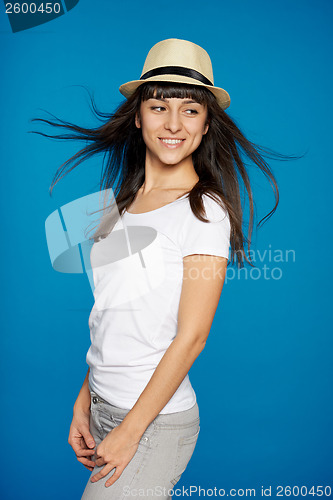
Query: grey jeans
point(162, 456)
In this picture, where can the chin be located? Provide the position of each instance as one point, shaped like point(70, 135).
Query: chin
point(171, 161)
point(171, 158)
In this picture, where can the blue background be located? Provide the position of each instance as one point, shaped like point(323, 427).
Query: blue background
point(264, 381)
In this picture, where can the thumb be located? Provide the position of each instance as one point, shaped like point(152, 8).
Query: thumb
point(89, 439)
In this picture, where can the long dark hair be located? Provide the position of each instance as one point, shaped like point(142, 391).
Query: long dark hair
point(217, 161)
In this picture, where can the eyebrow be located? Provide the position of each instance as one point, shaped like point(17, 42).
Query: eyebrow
point(189, 101)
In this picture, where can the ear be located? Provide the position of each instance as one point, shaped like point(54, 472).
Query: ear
point(137, 120)
point(206, 129)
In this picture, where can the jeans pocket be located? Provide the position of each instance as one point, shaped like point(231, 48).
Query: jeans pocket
point(117, 420)
point(185, 449)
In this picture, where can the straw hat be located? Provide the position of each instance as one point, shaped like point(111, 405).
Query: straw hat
point(181, 61)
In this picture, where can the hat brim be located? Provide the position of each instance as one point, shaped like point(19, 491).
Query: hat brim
point(222, 96)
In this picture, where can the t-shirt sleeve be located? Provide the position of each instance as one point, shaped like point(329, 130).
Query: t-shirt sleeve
point(210, 238)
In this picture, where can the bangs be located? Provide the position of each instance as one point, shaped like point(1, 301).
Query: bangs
point(168, 90)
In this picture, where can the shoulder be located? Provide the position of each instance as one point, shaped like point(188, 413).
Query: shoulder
point(214, 211)
point(212, 237)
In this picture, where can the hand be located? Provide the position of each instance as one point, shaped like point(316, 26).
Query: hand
point(116, 451)
point(81, 439)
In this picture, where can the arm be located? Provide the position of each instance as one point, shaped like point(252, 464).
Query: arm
point(83, 400)
point(202, 286)
point(80, 437)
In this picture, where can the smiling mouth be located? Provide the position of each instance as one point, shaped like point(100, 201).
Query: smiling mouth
point(171, 143)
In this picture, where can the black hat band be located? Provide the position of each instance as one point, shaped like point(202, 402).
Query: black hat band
point(177, 70)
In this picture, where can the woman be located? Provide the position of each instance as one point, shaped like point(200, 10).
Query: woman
point(173, 161)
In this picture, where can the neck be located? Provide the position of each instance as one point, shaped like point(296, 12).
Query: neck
point(181, 176)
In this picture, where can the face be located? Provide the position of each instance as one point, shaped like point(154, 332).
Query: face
point(172, 129)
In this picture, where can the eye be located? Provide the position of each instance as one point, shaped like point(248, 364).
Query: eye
point(193, 111)
point(157, 107)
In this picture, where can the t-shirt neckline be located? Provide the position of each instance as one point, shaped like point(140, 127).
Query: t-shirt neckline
point(160, 208)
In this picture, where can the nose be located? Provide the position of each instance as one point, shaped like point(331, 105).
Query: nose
point(173, 121)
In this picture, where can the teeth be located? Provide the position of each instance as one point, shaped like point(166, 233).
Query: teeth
point(172, 141)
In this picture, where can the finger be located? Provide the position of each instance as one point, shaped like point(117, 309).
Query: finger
point(84, 452)
point(89, 440)
point(83, 441)
point(114, 476)
point(102, 473)
point(100, 461)
point(86, 436)
point(78, 444)
point(85, 461)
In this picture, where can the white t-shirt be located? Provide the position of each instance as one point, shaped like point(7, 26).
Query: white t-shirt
point(138, 272)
